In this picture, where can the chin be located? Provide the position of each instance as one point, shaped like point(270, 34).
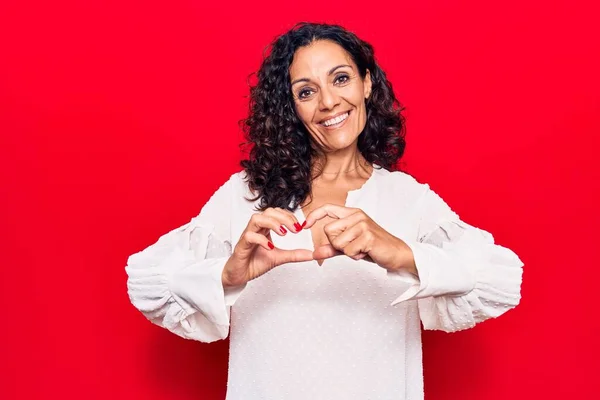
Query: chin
point(341, 144)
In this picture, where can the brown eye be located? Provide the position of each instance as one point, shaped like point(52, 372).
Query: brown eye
point(342, 79)
point(304, 93)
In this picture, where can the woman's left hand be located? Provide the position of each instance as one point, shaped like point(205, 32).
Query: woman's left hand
point(356, 235)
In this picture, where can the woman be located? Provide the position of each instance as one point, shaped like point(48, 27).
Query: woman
point(317, 260)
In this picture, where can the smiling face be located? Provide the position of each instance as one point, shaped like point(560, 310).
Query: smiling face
point(329, 94)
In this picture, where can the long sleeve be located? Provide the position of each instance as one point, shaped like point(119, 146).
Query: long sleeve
point(464, 277)
point(176, 282)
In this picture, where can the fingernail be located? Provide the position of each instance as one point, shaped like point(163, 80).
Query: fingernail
point(282, 229)
point(271, 246)
point(303, 224)
point(298, 227)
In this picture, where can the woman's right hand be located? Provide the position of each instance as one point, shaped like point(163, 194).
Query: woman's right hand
point(254, 254)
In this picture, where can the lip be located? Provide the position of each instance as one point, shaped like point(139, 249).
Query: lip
point(334, 116)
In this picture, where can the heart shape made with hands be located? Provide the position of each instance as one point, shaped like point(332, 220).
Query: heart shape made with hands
point(352, 233)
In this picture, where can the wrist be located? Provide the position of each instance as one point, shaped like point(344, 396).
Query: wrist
point(229, 279)
point(406, 259)
point(224, 280)
point(225, 277)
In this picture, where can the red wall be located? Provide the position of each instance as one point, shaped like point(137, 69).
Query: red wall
point(118, 119)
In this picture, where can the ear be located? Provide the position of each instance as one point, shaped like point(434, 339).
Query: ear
point(367, 84)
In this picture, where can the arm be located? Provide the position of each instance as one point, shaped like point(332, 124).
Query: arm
point(176, 282)
point(463, 277)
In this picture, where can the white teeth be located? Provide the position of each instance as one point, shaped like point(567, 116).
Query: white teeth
point(335, 120)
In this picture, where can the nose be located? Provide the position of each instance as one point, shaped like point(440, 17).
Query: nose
point(328, 99)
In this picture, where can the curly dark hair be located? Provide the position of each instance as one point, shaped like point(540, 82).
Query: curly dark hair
point(279, 164)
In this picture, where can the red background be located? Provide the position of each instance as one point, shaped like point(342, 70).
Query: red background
point(118, 119)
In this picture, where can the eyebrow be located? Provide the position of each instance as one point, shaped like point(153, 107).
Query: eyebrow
point(331, 71)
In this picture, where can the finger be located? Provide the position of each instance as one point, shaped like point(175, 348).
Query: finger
point(357, 246)
point(342, 239)
point(328, 210)
point(325, 251)
point(286, 218)
point(260, 221)
point(363, 256)
point(338, 227)
point(290, 256)
point(250, 239)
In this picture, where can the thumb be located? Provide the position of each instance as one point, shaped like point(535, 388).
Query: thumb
point(290, 256)
point(326, 251)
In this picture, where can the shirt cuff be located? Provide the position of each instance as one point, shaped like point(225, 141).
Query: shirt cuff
point(232, 293)
point(441, 272)
point(199, 288)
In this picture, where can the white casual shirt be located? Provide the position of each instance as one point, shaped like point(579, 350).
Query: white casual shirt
point(347, 330)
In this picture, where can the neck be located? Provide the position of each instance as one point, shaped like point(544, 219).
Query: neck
point(341, 163)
